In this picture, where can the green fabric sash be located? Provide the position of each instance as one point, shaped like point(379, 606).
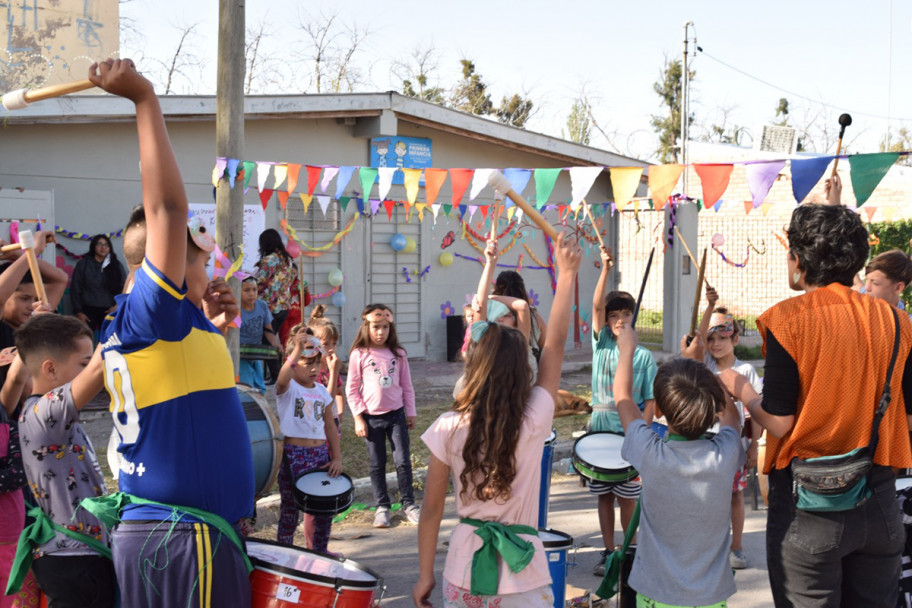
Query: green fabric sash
point(108, 510)
point(34, 535)
point(498, 539)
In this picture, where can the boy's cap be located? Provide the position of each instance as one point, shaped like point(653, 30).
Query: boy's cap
point(200, 234)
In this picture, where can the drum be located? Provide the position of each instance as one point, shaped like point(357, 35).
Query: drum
point(597, 456)
point(903, 483)
point(263, 428)
point(556, 546)
point(256, 352)
point(286, 576)
point(544, 493)
point(316, 493)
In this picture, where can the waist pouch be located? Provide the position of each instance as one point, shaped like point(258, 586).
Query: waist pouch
point(832, 483)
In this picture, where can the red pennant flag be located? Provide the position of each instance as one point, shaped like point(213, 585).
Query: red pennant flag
point(265, 195)
point(433, 179)
point(461, 179)
point(283, 198)
point(714, 178)
point(388, 205)
point(561, 211)
point(484, 212)
point(313, 176)
point(748, 207)
point(293, 171)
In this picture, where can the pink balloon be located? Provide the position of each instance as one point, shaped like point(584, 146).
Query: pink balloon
point(718, 240)
point(293, 249)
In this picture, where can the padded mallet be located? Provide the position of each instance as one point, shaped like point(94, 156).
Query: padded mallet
point(501, 184)
point(20, 98)
point(844, 121)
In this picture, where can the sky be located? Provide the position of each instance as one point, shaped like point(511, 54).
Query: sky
point(826, 56)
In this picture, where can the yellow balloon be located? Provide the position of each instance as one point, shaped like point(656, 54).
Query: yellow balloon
point(445, 259)
point(410, 245)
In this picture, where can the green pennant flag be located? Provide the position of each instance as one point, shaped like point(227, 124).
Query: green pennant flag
point(447, 208)
point(544, 184)
point(651, 204)
point(699, 206)
point(248, 172)
point(367, 175)
point(866, 172)
point(343, 200)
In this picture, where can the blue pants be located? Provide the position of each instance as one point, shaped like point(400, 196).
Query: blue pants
point(391, 426)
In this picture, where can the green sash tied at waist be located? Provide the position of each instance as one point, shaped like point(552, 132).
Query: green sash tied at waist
point(107, 509)
point(34, 535)
point(500, 539)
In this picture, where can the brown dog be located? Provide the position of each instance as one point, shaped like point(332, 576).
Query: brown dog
point(569, 404)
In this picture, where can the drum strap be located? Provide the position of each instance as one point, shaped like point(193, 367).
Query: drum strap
point(34, 535)
point(108, 510)
point(498, 539)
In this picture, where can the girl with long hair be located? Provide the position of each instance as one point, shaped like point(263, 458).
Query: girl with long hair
point(491, 444)
point(97, 278)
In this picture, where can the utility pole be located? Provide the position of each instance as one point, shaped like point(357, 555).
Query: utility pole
point(685, 110)
point(229, 141)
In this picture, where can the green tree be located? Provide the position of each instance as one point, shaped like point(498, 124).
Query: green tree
point(579, 125)
point(668, 126)
point(514, 110)
point(416, 73)
point(900, 142)
point(782, 113)
point(471, 93)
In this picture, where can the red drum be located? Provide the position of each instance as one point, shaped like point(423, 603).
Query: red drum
point(286, 576)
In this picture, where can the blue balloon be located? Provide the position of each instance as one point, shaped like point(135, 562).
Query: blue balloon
point(338, 299)
point(398, 242)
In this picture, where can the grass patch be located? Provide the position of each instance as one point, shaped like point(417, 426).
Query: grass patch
point(748, 353)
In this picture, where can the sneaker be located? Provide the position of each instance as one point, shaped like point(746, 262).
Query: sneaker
point(599, 569)
point(737, 560)
point(382, 518)
point(412, 513)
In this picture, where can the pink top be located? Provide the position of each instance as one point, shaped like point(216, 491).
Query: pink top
point(379, 382)
point(12, 506)
point(445, 439)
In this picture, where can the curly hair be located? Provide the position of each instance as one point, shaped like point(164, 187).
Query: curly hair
point(689, 395)
point(493, 401)
point(829, 242)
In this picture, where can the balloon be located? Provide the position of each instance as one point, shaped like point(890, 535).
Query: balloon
point(398, 242)
point(292, 248)
point(338, 299)
point(335, 277)
point(410, 245)
point(718, 240)
point(445, 259)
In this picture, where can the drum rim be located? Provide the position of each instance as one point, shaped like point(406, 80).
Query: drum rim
point(593, 473)
point(552, 437)
point(565, 542)
point(350, 495)
point(576, 459)
point(351, 482)
point(333, 581)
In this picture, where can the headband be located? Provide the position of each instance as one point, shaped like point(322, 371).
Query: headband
point(479, 328)
point(200, 234)
point(724, 325)
point(312, 348)
point(496, 310)
point(379, 314)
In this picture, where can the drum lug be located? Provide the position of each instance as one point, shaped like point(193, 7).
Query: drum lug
point(382, 593)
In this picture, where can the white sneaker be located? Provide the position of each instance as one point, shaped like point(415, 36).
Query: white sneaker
point(737, 560)
point(412, 514)
point(382, 518)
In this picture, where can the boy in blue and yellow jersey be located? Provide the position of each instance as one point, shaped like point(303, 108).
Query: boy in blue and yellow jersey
point(186, 473)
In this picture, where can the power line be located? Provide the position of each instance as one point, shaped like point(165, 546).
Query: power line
point(798, 95)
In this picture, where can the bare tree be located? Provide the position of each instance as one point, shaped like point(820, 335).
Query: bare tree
point(415, 74)
point(266, 71)
point(184, 64)
point(333, 46)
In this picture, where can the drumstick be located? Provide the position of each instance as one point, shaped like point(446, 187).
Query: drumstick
point(636, 311)
point(844, 121)
point(501, 184)
point(27, 241)
point(696, 308)
point(301, 284)
point(494, 209)
point(692, 258)
point(592, 221)
point(20, 98)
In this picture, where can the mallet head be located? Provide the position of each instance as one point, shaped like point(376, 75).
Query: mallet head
point(27, 239)
point(15, 100)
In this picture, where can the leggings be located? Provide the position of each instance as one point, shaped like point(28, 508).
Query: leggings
point(297, 460)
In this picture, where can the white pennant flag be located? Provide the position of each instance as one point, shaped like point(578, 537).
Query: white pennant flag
point(581, 180)
point(386, 180)
point(262, 175)
point(280, 172)
point(472, 210)
point(328, 174)
point(435, 208)
point(479, 181)
point(323, 200)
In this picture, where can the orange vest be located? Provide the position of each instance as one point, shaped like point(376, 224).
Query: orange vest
point(841, 341)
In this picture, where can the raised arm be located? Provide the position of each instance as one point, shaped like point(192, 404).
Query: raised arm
point(598, 297)
point(567, 254)
point(711, 297)
point(740, 388)
point(623, 377)
point(89, 381)
point(17, 384)
point(484, 283)
point(522, 310)
point(164, 198)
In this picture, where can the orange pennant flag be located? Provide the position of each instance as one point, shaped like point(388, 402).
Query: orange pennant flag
point(433, 179)
point(662, 181)
point(714, 178)
point(408, 210)
point(460, 179)
point(748, 207)
point(624, 184)
point(293, 171)
point(870, 211)
point(313, 176)
point(283, 198)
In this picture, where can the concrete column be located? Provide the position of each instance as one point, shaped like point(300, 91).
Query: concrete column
point(680, 278)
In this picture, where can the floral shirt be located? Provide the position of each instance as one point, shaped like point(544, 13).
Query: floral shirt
point(277, 282)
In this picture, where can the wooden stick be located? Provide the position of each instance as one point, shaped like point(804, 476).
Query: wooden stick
point(58, 90)
point(636, 311)
point(692, 258)
point(696, 308)
point(592, 221)
point(501, 184)
point(27, 242)
point(10, 247)
point(301, 284)
point(836, 160)
point(494, 209)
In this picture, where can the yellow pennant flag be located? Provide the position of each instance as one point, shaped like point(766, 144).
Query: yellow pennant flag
point(420, 207)
point(765, 208)
point(510, 212)
point(412, 177)
point(306, 199)
point(624, 184)
point(888, 213)
point(662, 180)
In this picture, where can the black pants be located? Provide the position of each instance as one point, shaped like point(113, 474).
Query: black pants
point(273, 365)
point(78, 581)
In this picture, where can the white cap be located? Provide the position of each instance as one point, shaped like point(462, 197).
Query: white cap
point(15, 100)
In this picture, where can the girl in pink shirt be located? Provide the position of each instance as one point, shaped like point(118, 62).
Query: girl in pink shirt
point(491, 445)
point(382, 401)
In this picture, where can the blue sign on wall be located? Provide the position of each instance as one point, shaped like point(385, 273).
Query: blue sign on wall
point(407, 152)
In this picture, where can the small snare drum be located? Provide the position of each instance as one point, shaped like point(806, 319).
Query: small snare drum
point(597, 456)
point(316, 493)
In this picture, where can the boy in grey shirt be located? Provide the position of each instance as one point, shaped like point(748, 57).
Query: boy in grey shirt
point(682, 555)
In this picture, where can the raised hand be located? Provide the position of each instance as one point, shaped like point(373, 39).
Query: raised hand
point(119, 77)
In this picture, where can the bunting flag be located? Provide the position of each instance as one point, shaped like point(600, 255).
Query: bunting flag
point(870, 211)
point(388, 205)
point(411, 181)
point(714, 179)
point(806, 172)
point(232, 171)
point(280, 172)
point(760, 178)
point(866, 172)
point(345, 175)
point(479, 181)
point(221, 163)
point(293, 171)
point(263, 170)
point(765, 208)
point(367, 176)
point(386, 180)
point(518, 178)
point(249, 165)
point(748, 207)
point(544, 184)
point(265, 195)
point(662, 181)
point(323, 201)
point(313, 176)
point(283, 198)
point(624, 184)
point(460, 179)
point(375, 205)
point(306, 199)
point(328, 173)
point(581, 180)
point(433, 179)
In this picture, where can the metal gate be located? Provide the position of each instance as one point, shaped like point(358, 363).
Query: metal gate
point(638, 233)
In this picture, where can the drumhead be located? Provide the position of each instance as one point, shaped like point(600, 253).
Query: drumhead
point(309, 565)
point(319, 483)
point(552, 437)
point(554, 539)
point(903, 482)
point(601, 450)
